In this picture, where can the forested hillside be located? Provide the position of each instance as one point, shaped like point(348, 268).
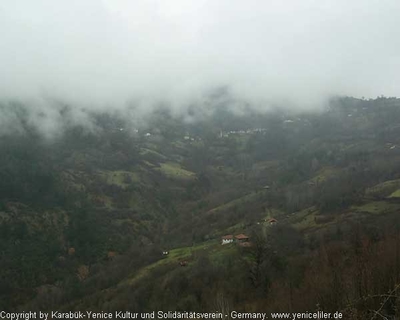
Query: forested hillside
point(86, 214)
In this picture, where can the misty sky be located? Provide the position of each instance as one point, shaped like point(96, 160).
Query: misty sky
point(113, 51)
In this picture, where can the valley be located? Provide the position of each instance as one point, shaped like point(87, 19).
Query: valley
point(85, 217)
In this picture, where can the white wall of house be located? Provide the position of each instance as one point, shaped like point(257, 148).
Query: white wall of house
point(226, 241)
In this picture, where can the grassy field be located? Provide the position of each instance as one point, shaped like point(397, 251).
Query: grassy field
point(324, 174)
point(240, 201)
point(304, 219)
point(119, 178)
point(384, 189)
point(174, 257)
point(155, 154)
point(377, 207)
point(395, 194)
point(175, 171)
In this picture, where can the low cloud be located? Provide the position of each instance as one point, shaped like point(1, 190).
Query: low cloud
point(110, 54)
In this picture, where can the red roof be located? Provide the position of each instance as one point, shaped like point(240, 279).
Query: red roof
point(228, 237)
point(241, 236)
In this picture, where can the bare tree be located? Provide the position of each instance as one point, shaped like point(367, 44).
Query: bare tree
point(222, 304)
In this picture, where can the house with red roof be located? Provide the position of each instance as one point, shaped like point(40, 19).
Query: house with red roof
point(241, 238)
point(238, 239)
point(272, 221)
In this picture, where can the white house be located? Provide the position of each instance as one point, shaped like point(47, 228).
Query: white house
point(227, 239)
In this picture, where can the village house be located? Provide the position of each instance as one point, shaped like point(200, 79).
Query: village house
point(272, 221)
point(240, 238)
point(227, 239)
point(111, 255)
point(243, 241)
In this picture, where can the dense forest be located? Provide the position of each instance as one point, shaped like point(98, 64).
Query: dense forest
point(116, 216)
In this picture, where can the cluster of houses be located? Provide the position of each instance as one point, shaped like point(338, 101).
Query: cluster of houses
point(190, 138)
point(226, 134)
point(248, 131)
point(243, 240)
point(135, 131)
point(268, 221)
point(240, 239)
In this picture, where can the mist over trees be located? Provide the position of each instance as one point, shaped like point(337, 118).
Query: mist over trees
point(86, 215)
point(200, 155)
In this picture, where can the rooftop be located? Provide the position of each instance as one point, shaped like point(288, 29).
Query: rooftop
point(241, 236)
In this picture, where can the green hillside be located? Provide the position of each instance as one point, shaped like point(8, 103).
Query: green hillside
point(85, 217)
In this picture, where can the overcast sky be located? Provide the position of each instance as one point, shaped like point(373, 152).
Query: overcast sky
point(113, 51)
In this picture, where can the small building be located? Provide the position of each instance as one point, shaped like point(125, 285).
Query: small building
point(111, 255)
point(272, 221)
point(227, 239)
point(183, 263)
point(240, 238)
point(165, 253)
point(71, 251)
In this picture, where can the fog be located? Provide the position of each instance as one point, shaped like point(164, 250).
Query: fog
point(107, 54)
